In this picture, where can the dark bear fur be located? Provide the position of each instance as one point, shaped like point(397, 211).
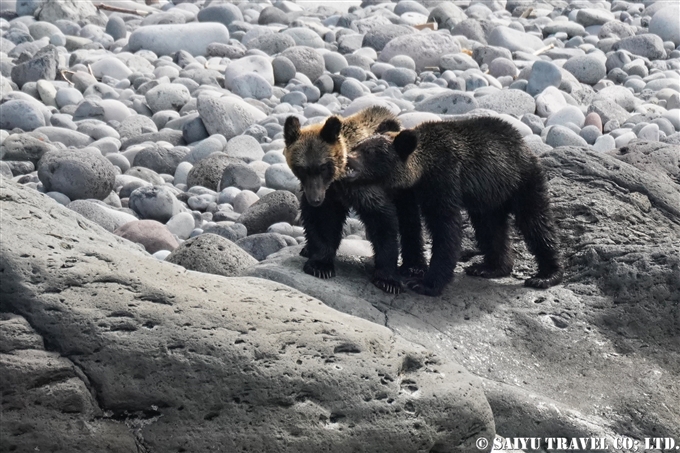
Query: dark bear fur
point(481, 165)
point(317, 155)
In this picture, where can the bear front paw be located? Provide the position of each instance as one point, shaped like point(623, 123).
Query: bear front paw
point(422, 288)
point(543, 281)
point(387, 283)
point(319, 269)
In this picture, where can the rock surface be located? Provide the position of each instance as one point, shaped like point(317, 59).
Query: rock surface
point(618, 227)
point(156, 351)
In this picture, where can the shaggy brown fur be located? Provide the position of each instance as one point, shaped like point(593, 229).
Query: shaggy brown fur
point(329, 142)
point(317, 155)
point(481, 165)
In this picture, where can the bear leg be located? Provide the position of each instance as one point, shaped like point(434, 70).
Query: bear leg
point(534, 220)
point(491, 232)
point(413, 260)
point(382, 230)
point(323, 232)
point(446, 230)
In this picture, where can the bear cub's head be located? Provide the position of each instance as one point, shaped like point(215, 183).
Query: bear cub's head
point(381, 159)
point(316, 154)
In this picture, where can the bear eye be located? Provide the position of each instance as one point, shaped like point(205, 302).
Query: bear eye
point(298, 170)
point(327, 169)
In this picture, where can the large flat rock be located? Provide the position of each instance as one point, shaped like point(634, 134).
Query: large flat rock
point(596, 356)
point(198, 362)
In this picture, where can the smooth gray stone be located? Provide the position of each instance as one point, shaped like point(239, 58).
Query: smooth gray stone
point(306, 60)
point(587, 69)
point(76, 173)
point(378, 37)
point(513, 102)
point(262, 245)
point(453, 102)
point(168, 39)
point(224, 13)
point(279, 176)
point(543, 74)
point(241, 176)
point(647, 45)
point(278, 206)
point(212, 254)
point(116, 28)
point(562, 136)
point(425, 49)
point(229, 116)
point(20, 114)
point(244, 147)
point(106, 217)
point(154, 203)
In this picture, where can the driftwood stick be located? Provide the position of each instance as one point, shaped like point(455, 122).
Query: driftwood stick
point(117, 9)
point(544, 49)
point(63, 75)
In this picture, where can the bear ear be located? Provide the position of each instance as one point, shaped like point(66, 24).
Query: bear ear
point(405, 143)
point(330, 132)
point(391, 125)
point(291, 130)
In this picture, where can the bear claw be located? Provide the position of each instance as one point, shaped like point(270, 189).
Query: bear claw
point(319, 270)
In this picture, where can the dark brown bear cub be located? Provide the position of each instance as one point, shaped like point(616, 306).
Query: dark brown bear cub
point(481, 165)
point(317, 155)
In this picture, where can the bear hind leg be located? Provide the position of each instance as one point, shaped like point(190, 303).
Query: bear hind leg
point(382, 231)
point(534, 220)
point(491, 232)
point(446, 231)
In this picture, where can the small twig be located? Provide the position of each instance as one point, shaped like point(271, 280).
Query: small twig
point(89, 68)
point(63, 75)
point(526, 13)
point(544, 49)
point(430, 25)
point(117, 9)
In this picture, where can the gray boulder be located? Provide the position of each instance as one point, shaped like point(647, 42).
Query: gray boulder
point(29, 147)
point(425, 49)
point(306, 60)
point(78, 174)
point(229, 115)
point(239, 175)
point(208, 172)
point(378, 37)
point(646, 45)
point(260, 246)
point(143, 340)
point(154, 203)
point(170, 38)
point(106, 217)
point(512, 102)
point(160, 159)
point(72, 10)
point(42, 66)
point(212, 254)
point(151, 235)
point(278, 206)
point(21, 114)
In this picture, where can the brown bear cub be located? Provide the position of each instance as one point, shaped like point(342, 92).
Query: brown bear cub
point(317, 155)
point(481, 165)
